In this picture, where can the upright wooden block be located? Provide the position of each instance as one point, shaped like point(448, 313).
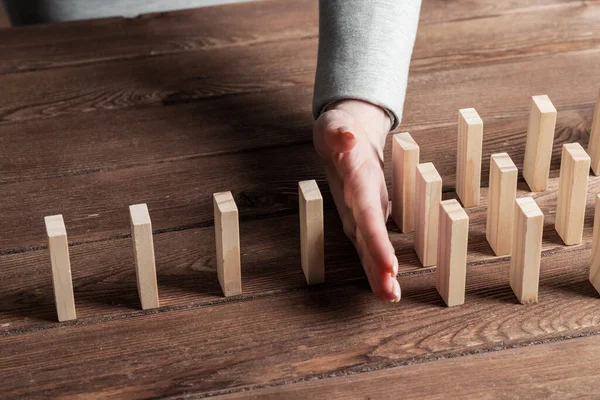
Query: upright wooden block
point(595, 266)
point(405, 158)
point(453, 236)
point(594, 143)
point(143, 251)
point(428, 196)
point(468, 157)
point(61, 267)
point(501, 203)
point(227, 239)
point(527, 250)
point(572, 193)
point(312, 236)
point(538, 147)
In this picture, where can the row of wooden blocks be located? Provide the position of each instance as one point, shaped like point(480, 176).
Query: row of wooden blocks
point(227, 242)
point(514, 226)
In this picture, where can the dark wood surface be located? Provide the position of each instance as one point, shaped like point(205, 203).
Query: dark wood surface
point(169, 108)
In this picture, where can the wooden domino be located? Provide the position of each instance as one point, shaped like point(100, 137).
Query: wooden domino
point(61, 267)
point(227, 240)
point(405, 158)
point(428, 195)
point(594, 143)
point(453, 236)
point(312, 237)
point(468, 157)
point(595, 266)
point(572, 193)
point(527, 250)
point(538, 146)
point(501, 198)
point(143, 251)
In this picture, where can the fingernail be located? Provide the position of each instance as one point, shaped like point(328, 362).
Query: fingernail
point(396, 292)
point(346, 132)
point(395, 266)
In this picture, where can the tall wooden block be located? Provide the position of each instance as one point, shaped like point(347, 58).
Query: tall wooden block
point(538, 147)
point(61, 267)
point(227, 239)
point(501, 203)
point(405, 158)
point(143, 251)
point(428, 195)
point(468, 157)
point(527, 250)
point(312, 236)
point(594, 143)
point(572, 193)
point(453, 236)
point(595, 266)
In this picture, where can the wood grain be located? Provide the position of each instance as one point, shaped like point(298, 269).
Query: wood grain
point(525, 373)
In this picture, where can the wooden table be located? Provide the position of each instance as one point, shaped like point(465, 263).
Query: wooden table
point(167, 109)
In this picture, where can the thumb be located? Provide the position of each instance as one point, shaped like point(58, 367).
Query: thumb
point(334, 133)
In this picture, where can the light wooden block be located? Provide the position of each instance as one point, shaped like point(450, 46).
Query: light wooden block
point(501, 203)
point(312, 234)
point(468, 157)
point(428, 195)
point(527, 250)
point(594, 143)
point(405, 158)
point(61, 267)
point(572, 193)
point(227, 239)
point(595, 266)
point(143, 251)
point(538, 147)
point(453, 237)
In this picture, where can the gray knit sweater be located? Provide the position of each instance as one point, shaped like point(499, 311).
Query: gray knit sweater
point(364, 45)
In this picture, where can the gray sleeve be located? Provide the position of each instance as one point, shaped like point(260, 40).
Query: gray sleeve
point(365, 48)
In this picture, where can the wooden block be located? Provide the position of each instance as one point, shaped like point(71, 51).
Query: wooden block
point(527, 250)
point(405, 158)
point(428, 195)
point(312, 235)
point(453, 236)
point(594, 143)
point(227, 239)
point(61, 267)
point(468, 157)
point(501, 203)
point(143, 251)
point(572, 193)
point(538, 147)
point(595, 266)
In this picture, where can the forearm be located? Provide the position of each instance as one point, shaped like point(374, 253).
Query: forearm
point(365, 48)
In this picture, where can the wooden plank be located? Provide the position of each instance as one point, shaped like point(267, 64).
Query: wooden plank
point(527, 247)
point(512, 373)
point(227, 241)
point(405, 158)
point(502, 193)
point(572, 193)
point(451, 271)
point(312, 236)
point(468, 156)
point(295, 335)
point(538, 148)
point(428, 195)
point(61, 268)
point(143, 253)
point(594, 143)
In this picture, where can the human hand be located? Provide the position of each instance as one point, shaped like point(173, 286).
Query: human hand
point(350, 138)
